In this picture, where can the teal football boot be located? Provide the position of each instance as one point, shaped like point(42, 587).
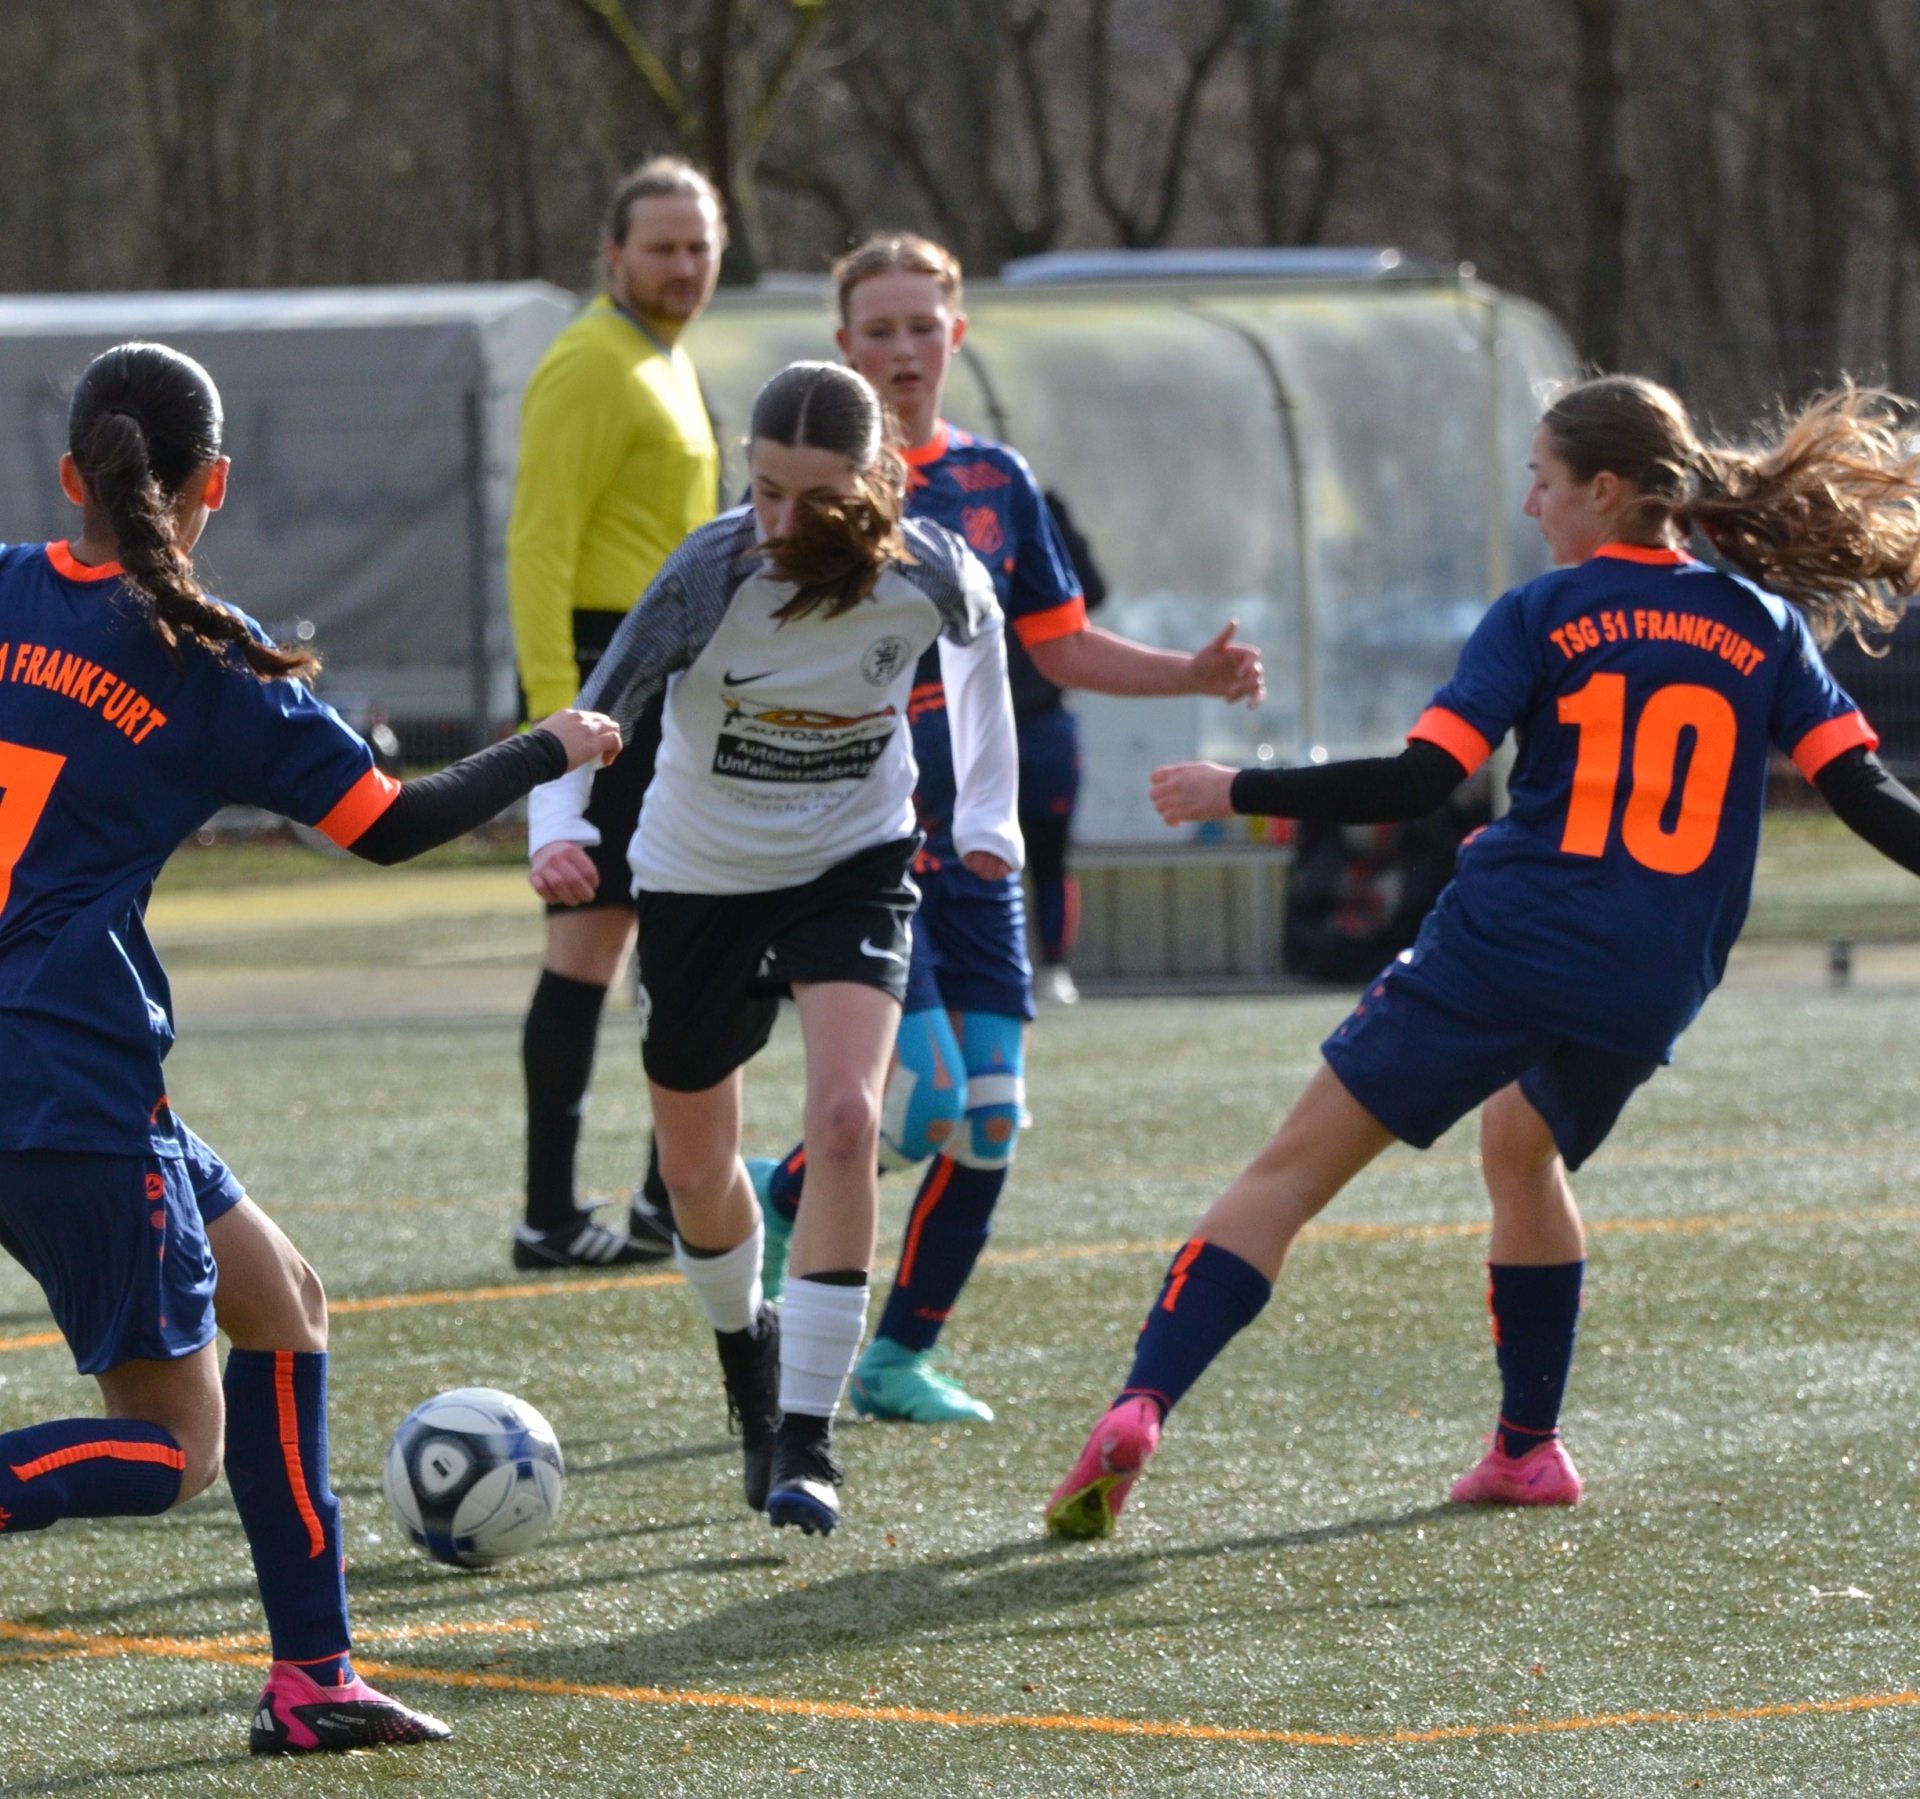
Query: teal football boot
point(893, 1381)
point(773, 1259)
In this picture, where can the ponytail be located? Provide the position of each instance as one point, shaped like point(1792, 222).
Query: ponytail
point(836, 552)
point(1827, 514)
point(143, 421)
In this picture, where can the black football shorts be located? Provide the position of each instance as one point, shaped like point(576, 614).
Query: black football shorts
point(713, 968)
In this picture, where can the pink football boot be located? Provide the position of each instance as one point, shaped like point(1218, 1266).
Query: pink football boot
point(1087, 1503)
point(298, 1716)
point(1545, 1475)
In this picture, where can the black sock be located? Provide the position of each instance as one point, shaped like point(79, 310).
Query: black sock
point(563, 1025)
point(1536, 1311)
point(653, 1187)
point(802, 1430)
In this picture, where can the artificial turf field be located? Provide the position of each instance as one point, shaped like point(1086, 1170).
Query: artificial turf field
point(1291, 1607)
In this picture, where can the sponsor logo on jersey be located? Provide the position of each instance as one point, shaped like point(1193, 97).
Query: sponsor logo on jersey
point(800, 748)
point(981, 526)
point(979, 477)
point(884, 660)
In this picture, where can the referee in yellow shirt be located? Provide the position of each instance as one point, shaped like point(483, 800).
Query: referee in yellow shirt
point(617, 464)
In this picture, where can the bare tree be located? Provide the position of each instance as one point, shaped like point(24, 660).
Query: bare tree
point(746, 57)
point(1295, 151)
point(1601, 173)
point(1142, 205)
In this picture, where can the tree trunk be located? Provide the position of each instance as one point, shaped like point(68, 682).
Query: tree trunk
point(1599, 99)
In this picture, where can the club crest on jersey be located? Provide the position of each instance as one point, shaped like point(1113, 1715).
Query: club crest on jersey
point(981, 524)
point(884, 660)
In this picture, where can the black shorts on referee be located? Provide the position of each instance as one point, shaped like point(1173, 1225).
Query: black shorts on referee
point(714, 967)
point(613, 805)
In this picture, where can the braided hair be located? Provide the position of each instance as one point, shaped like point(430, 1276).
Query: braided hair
point(143, 421)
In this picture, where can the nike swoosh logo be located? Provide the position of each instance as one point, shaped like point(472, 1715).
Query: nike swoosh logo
point(733, 680)
point(880, 955)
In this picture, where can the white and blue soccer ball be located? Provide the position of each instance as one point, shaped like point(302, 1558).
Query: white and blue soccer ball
point(475, 1476)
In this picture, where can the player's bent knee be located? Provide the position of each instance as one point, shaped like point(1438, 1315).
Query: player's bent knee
point(843, 1126)
point(311, 1301)
point(926, 1094)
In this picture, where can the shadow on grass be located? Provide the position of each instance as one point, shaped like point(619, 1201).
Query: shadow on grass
point(1029, 1578)
point(95, 1777)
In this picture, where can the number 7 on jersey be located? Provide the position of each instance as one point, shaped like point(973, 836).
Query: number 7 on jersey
point(26, 780)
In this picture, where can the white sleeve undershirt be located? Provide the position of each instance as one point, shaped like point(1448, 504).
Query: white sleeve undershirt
point(556, 810)
point(986, 753)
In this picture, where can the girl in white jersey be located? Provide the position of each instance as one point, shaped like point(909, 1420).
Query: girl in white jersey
point(772, 857)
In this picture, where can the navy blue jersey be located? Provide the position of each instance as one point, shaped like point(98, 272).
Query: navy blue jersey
point(1646, 691)
point(984, 492)
point(110, 755)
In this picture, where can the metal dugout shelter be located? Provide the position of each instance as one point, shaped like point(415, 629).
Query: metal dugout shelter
point(373, 433)
point(1328, 445)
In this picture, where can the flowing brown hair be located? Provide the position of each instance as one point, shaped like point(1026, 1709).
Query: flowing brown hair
point(835, 553)
point(143, 421)
point(1825, 509)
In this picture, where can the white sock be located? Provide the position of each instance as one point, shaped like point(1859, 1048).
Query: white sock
point(727, 1285)
point(820, 1331)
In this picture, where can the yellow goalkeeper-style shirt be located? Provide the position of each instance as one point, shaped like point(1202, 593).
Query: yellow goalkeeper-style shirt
point(617, 464)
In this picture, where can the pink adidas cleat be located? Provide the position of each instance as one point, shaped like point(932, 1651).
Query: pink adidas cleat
point(298, 1716)
point(1087, 1503)
point(1545, 1475)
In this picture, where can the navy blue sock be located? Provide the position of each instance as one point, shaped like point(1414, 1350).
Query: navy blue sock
point(1209, 1296)
point(1535, 1312)
point(783, 1189)
point(946, 1231)
point(277, 1469)
point(86, 1468)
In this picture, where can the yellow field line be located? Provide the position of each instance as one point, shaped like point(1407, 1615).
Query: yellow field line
point(1691, 1225)
point(65, 1644)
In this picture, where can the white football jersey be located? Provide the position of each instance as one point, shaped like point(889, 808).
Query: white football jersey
point(785, 747)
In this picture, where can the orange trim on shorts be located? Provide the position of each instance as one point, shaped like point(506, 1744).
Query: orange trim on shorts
point(358, 807)
point(92, 1452)
point(923, 1207)
point(1838, 735)
point(290, 1450)
point(1454, 735)
point(1177, 1274)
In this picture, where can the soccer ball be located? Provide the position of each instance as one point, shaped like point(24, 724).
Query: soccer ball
point(475, 1476)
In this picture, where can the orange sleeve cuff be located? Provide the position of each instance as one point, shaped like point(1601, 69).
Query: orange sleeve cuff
point(1838, 735)
point(359, 806)
point(1057, 621)
point(1454, 735)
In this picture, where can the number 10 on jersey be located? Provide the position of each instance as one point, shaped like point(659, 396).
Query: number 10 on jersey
point(1599, 712)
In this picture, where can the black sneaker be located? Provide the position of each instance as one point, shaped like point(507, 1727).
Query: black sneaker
point(581, 1243)
point(650, 1226)
point(806, 1478)
point(750, 1364)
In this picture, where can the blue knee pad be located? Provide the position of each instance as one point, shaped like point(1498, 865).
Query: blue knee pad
point(926, 1093)
point(994, 1046)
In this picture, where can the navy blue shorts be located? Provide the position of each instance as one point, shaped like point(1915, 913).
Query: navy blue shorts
point(1049, 763)
point(969, 945)
point(1419, 1064)
point(119, 1246)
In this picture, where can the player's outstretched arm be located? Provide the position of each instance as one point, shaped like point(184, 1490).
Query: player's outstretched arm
point(437, 808)
point(1098, 661)
point(1867, 799)
point(1371, 790)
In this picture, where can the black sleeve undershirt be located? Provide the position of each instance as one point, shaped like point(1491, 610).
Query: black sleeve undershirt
point(1872, 804)
point(1375, 790)
point(437, 808)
